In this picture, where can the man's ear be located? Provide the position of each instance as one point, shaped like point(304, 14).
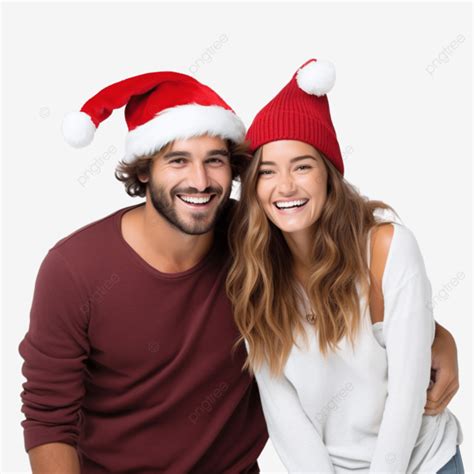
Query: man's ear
point(143, 174)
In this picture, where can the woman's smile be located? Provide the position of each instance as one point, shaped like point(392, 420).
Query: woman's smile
point(290, 207)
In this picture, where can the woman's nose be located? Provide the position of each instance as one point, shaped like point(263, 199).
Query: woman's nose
point(286, 184)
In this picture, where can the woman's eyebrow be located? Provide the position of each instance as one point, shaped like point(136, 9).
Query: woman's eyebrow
point(297, 158)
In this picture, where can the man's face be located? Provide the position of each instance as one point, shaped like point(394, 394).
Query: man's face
point(191, 183)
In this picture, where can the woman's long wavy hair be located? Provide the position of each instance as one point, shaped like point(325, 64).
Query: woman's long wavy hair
point(261, 283)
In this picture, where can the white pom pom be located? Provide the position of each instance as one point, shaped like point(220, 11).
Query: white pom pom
point(78, 129)
point(317, 77)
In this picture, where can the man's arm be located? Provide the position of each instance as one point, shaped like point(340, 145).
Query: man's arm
point(54, 458)
point(444, 367)
point(54, 350)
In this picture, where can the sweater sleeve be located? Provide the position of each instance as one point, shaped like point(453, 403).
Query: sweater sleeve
point(295, 438)
point(54, 351)
point(408, 331)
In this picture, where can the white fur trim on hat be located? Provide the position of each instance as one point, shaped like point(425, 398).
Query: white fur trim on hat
point(180, 122)
point(78, 129)
point(317, 77)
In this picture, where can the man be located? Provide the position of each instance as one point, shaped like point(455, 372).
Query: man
point(128, 358)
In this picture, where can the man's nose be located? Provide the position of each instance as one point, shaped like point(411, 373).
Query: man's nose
point(199, 178)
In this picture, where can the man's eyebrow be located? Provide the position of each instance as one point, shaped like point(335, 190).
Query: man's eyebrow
point(174, 154)
point(220, 151)
point(297, 158)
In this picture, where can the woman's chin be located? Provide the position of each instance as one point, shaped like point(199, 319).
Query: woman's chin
point(291, 227)
point(293, 230)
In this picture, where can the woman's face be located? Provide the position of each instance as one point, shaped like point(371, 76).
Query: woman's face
point(292, 184)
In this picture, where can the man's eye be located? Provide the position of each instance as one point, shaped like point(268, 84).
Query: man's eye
point(216, 160)
point(177, 160)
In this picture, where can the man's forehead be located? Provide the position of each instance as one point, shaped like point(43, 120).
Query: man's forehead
point(200, 143)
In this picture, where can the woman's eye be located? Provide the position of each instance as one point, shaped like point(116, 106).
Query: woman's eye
point(267, 172)
point(304, 167)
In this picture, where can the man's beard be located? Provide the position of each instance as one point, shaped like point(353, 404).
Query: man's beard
point(200, 223)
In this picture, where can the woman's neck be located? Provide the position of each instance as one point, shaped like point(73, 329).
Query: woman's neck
point(300, 245)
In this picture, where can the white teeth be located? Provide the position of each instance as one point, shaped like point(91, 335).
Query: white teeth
point(290, 204)
point(194, 200)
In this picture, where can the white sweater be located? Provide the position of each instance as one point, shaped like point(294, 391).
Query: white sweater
point(362, 410)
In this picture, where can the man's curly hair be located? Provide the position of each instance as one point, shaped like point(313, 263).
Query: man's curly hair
point(128, 173)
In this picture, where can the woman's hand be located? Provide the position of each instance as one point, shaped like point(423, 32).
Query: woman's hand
point(444, 371)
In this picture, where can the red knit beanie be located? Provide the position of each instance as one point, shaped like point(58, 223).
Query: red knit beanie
point(300, 111)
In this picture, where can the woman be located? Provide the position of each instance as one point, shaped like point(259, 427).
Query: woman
point(332, 301)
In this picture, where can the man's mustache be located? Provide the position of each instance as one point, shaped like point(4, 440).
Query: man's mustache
point(195, 191)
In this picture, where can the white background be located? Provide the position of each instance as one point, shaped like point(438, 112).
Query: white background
point(405, 132)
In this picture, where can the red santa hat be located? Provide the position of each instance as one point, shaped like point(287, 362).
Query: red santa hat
point(300, 111)
point(159, 107)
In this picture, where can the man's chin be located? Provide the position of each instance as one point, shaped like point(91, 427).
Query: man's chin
point(197, 227)
point(197, 222)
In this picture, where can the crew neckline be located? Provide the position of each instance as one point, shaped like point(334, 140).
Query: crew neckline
point(141, 262)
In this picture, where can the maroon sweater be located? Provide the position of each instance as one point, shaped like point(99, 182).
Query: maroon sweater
point(133, 366)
